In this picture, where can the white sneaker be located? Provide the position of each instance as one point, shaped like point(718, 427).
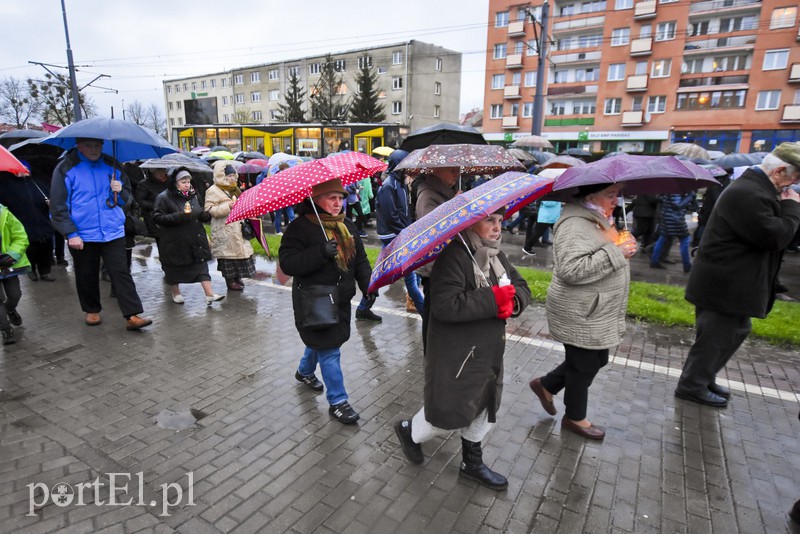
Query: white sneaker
point(178, 299)
point(214, 298)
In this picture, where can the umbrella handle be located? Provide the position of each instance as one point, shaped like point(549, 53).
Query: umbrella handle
point(314, 207)
point(112, 203)
point(624, 214)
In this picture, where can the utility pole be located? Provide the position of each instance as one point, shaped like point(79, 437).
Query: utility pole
point(541, 72)
point(76, 101)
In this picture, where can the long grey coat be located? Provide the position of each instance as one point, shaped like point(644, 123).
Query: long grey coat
point(588, 295)
point(464, 322)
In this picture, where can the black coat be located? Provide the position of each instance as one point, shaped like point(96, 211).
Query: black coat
point(27, 199)
point(145, 194)
point(463, 320)
point(183, 239)
point(300, 255)
point(737, 264)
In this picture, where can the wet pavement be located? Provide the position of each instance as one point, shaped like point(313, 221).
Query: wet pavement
point(80, 409)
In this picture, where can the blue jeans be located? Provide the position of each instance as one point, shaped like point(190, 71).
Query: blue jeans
point(329, 367)
point(288, 213)
point(412, 286)
point(662, 242)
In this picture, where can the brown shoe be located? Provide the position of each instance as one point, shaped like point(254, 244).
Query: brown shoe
point(137, 323)
point(410, 307)
point(538, 389)
point(235, 286)
point(591, 432)
point(93, 319)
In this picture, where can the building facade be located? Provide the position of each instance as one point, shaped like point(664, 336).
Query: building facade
point(419, 84)
point(636, 75)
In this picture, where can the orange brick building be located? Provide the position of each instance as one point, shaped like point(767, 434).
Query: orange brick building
point(636, 75)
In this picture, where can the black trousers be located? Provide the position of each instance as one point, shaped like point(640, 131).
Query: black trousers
point(718, 337)
point(533, 236)
point(40, 254)
point(58, 245)
point(574, 376)
point(646, 229)
point(426, 309)
point(86, 263)
point(10, 295)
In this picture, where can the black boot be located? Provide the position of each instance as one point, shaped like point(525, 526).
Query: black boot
point(8, 336)
point(472, 466)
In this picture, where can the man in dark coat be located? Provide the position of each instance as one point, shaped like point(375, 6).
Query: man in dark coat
point(644, 216)
point(146, 193)
point(733, 278)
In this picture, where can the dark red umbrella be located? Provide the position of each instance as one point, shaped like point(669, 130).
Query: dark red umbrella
point(472, 159)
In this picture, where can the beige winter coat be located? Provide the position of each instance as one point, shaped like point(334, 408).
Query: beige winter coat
point(588, 296)
point(226, 239)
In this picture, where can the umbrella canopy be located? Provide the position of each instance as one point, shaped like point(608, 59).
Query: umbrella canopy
point(34, 148)
point(384, 151)
point(577, 152)
point(758, 155)
point(219, 148)
point(278, 157)
point(737, 160)
point(200, 149)
point(293, 185)
point(715, 154)
point(563, 162)
point(171, 161)
point(124, 140)
point(643, 175)
point(423, 240)
point(472, 159)
point(442, 134)
point(521, 155)
point(247, 168)
point(8, 163)
point(715, 170)
point(15, 136)
point(532, 141)
point(260, 162)
point(216, 155)
point(247, 156)
point(274, 169)
point(687, 149)
point(540, 156)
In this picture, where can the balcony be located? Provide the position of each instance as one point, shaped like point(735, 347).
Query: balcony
point(791, 113)
point(711, 81)
point(514, 61)
point(742, 42)
point(511, 92)
point(574, 25)
point(637, 83)
point(794, 74)
point(723, 6)
point(644, 10)
point(516, 29)
point(572, 121)
point(642, 47)
point(555, 90)
point(510, 123)
point(632, 118)
point(579, 57)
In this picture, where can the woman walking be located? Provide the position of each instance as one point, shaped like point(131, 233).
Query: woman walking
point(183, 245)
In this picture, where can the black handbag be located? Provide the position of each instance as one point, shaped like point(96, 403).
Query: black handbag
point(319, 306)
point(247, 230)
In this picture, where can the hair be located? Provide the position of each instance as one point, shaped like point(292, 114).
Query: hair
point(772, 162)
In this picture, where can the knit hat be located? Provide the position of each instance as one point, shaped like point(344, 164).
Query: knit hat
point(183, 174)
point(788, 152)
point(331, 186)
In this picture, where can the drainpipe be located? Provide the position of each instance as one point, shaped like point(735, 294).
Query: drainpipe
point(407, 90)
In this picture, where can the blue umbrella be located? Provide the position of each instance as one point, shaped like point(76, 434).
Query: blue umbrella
point(123, 140)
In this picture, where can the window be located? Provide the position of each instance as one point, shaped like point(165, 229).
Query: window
point(213, 83)
point(365, 61)
point(797, 97)
point(224, 82)
point(255, 77)
point(274, 95)
point(500, 51)
point(738, 23)
point(558, 108)
point(768, 100)
point(274, 115)
point(177, 88)
point(665, 31)
point(587, 75)
point(437, 88)
point(623, 4)
point(238, 79)
point(437, 64)
point(194, 86)
point(532, 47)
point(238, 98)
point(397, 82)
point(560, 76)
point(699, 28)
point(519, 47)
point(616, 72)
point(225, 118)
point(313, 68)
point(496, 111)
point(341, 89)
point(516, 78)
point(293, 71)
point(340, 65)
point(711, 100)
point(172, 122)
point(645, 32)
point(224, 100)
point(498, 81)
point(620, 36)
point(185, 87)
point(381, 94)
point(530, 78)
point(179, 104)
point(180, 121)
point(636, 103)
point(661, 68)
point(588, 41)
point(567, 10)
point(667, 1)
point(775, 59)
point(613, 106)
point(255, 96)
point(514, 109)
point(203, 84)
point(169, 105)
point(527, 109)
point(594, 6)
point(783, 17)
point(641, 68)
point(501, 19)
point(656, 104)
point(256, 115)
point(437, 111)
point(397, 58)
point(169, 89)
point(397, 108)
point(584, 107)
point(383, 70)
point(273, 75)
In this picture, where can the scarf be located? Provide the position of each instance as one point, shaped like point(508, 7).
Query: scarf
point(230, 190)
point(597, 209)
point(335, 229)
point(485, 260)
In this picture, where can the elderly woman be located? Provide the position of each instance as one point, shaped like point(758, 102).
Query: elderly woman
point(183, 245)
point(233, 252)
point(586, 301)
point(323, 252)
point(473, 292)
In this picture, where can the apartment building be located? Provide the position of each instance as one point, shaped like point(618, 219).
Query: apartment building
point(419, 84)
point(636, 75)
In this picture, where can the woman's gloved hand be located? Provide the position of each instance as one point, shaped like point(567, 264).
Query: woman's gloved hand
point(504, 297)
point(329, 249)
point(6, 260)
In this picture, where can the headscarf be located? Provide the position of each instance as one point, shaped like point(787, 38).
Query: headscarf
point(485, 260)
point(335, 229)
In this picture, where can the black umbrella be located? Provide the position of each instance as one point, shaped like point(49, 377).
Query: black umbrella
point(442, 134)
point(246, 156)
point(34, 148)
point(219, 148)
point(15, 136)
point(577, 152)
point(540, 156)
point(612, 154)
point(736, 160)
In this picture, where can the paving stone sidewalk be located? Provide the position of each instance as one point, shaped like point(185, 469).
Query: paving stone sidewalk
point(79, 402)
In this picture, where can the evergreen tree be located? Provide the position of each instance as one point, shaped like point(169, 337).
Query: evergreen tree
point(326, 103)
point(292, 110)
point(366, 107)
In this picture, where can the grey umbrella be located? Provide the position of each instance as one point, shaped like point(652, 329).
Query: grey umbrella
point(737, 160)
point(15, 136)
point(177, 160)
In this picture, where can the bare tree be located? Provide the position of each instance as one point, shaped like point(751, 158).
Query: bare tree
point(156, 120)
point(135, 112)
point(17, 106)
point(56, 99)
point(242, 116)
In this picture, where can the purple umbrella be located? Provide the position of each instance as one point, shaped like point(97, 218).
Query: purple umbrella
point(422, 241)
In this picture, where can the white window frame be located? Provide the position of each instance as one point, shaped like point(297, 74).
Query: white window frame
point(519, 47)
point(664, 72)
point(500, 51)
point(786, 17)
point(527, 110)
point(213, 83)
point(362, 59)
point(203, 84)
point(224, 100)
point(437, 88)
point(274, 95)
point(397, 58)
point(273, 114)
point(397, 108)
point(169, 104)
point(498, 81)
point(225, 117)
point(255, 96)
point(397, 83)
point(179, 104)
point(773, 56)
point(617, 70)
point(255, 77)
point(238, 79)
point(530, 79)
point(437, 64)
point(531, 48)
point(561, 76)
point(665, 31)
point(224, 82)
point(496, 111)
point(169, 89)
point(293, 70)
point(340, 65)
point(383, 70)
point(501, 19)
point(437, 111)
point(313, 68)
point(616, 106)
point(194, 86)
point(765, 98)
point(238, 98)
point(623, 4)
point(273, 75)
point(620, 36)
point(257, 115)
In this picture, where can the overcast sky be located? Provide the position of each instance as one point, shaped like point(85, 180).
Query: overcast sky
point(139, 43)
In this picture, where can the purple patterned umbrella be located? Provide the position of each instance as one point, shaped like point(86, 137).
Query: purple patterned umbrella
point(473, 159)
point(422, 241)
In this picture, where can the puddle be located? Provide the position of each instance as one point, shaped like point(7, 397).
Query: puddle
point(179, 420)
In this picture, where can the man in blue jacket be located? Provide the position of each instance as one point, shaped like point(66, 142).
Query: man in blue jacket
point(86, 198)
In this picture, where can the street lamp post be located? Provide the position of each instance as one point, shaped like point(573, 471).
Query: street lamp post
point(76, 101)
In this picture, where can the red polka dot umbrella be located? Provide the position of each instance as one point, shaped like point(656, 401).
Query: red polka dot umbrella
point(292, 186)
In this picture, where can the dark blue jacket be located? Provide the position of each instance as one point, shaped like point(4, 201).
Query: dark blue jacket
point(392, 199)
point(672, 221)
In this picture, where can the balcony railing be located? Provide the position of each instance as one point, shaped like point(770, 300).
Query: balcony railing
point(791, 113)
point(717, 5)
point(578, 24)
point(794, 74)
point(510, 123)
point(511, 92)
point(715, 80)
point(514, 61)
point(555, 90)
point(516, 29)
point(632, 118)
point(642, 47)
point(573, 121)
point(644, 10)
point(637, 83)
point(576, 57)
point(699, 47)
